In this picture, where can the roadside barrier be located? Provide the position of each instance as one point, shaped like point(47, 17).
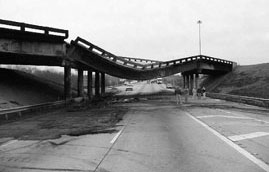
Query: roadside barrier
point(20, 109)
point(241, 99)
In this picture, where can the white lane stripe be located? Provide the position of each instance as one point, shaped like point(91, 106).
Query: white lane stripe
point(223, 116)
point(252, 158)
point(259, 120)
point(247, 136)
point(116, 137)
point(9, 143)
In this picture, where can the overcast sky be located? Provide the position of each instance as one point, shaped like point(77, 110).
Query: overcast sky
point(236, 30)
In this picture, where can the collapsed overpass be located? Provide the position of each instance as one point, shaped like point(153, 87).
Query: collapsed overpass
point(27, 44)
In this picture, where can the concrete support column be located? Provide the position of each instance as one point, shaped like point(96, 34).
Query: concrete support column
point(196, 80)
point(80, 82)
point(97, 84)
point(184, 80)
point(89, 85)
point(67, 82)
point(187, 81)
point(103, 84)
point(191, 83)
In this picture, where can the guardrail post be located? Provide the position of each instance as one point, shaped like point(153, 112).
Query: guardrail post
point(103, 84)
point(80, 83)
point(97, 84)
point(89, 84)
point(67, 82)
point(6, 116)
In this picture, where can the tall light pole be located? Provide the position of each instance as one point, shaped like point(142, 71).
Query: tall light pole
point(200, 44)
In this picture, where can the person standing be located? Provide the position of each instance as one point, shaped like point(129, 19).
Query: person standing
point(186, 94)
point(178, 94)
point(199, 92)
point(203, 92)
point(194, 93)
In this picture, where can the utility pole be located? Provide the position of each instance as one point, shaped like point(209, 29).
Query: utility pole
point(200, 44)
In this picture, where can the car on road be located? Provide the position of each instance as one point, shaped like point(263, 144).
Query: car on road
point(169, 86)
point(129, 89)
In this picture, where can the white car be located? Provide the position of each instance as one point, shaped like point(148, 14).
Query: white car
point(169, 86)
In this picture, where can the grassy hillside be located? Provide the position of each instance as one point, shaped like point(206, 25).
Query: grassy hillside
point(19, 88)
point(251, 80)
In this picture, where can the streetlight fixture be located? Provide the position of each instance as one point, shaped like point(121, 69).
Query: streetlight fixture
point(199, 22)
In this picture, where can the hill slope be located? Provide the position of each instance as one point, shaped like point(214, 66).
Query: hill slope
point(19, 88)
point(251, 80)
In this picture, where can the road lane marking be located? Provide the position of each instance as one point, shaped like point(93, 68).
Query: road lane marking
point(9, 143)
point(242, 151)
point(247, 136)
point(259, 120)
point(223, 116)
point(116, 136)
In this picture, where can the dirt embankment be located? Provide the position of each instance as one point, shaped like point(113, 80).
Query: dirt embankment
point(73, 121)
point(251, 80)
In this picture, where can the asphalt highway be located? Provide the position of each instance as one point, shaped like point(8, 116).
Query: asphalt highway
point(205, 135)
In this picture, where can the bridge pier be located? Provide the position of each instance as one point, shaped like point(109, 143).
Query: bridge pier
point(89, 85)
point(97, 84)
point(191, 84)
point(103, 84)
point(184, 81)
point(67, 82)
point(80, 83)
point(188, 81)
point(196, 80)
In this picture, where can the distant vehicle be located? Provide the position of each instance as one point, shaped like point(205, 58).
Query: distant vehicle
point(169, 86)
point(153, 81)
point(133, 82)
point(129, 89)
point(159, 80)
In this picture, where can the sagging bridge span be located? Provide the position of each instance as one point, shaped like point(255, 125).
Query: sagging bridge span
point(27, 44)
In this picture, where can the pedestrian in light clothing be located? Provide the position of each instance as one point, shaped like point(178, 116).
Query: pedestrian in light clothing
point(178, 94)
point(194, 93)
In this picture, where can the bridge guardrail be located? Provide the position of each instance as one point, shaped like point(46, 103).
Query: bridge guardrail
point(105, 54)
point(187, 59)
point(241, 99)
point(31, 107)
point(36, 28)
